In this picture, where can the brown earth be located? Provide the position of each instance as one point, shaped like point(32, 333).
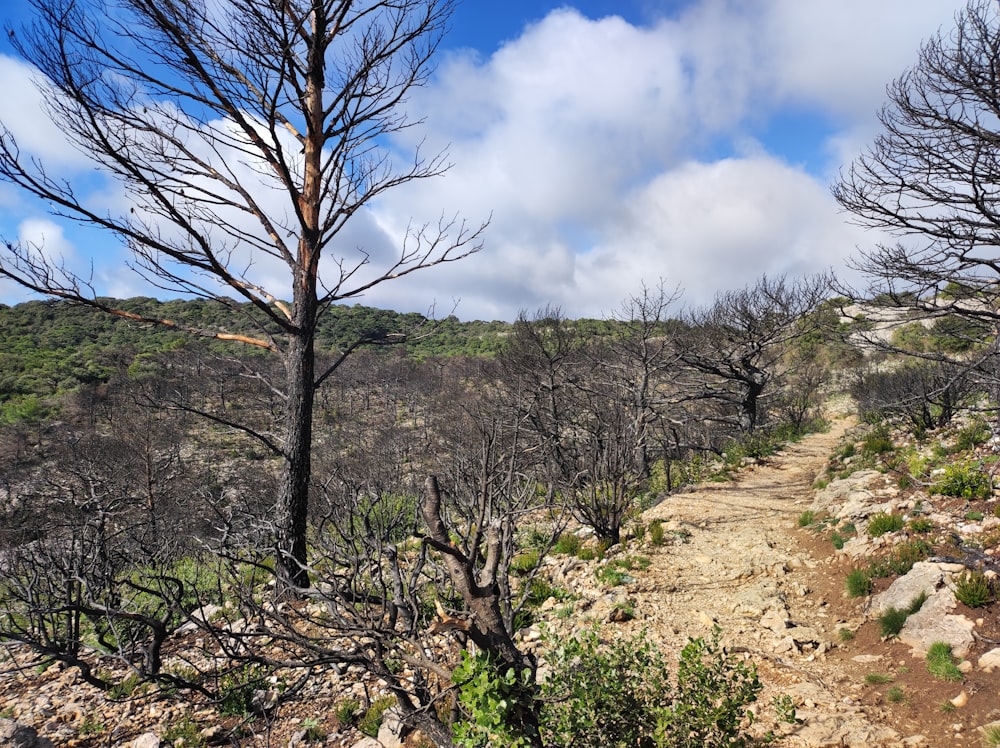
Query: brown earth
point(735, 558)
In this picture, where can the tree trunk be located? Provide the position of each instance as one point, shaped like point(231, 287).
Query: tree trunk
point(293, 502)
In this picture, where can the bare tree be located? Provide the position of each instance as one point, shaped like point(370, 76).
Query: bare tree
point(246, 135)
point(734, 348)
point(931, 178)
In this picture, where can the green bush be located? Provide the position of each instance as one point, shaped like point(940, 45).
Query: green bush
point(859, 582)
point(656, 532)
point(881, 523)
point(876, 442)
point(494, 700)
point(568, 544)
point(964, 480)
point(892, 621)
point(372, 718)
point(972, 435)
point(807, 518)
point(921, 525)
point(974, 589)
point(941, 663)
point(621, 695)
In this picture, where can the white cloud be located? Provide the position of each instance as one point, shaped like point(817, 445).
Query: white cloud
point(610, 154)
point(25, 116)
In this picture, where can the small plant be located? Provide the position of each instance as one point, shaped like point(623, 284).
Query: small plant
point(972, 435)
point(372, 718)
point(186, 733)
point(941, 663)
point(991, 735)
point(896, 695)
point(808, 517)
point(314, 732)
point(568, 544)
point(846, 634)
point(492, 698)
point(656, 532)
point(975, 589)
point(964, 480)
point(622, 695)
point(973, 516)
point(90, 727)
point(878, 679)
point(946, 707)
point(920, 525)
point(611, 575)
point(524, 562)
point(876, 442)
point(891, 622)
point(346, 711)
point(859, 582)
point(125, 687)
point(881, 523)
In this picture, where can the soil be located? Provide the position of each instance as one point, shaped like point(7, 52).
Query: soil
point(735, 559)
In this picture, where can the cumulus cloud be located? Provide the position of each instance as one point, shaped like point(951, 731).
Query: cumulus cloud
point(607, 153)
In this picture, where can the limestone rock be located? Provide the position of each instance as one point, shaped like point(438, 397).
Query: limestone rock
point(924, 578)
point(990, 661)
point(932, 623)
point(15, 735)
point(146, 740)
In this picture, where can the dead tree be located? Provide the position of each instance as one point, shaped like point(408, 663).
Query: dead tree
point(245, 136)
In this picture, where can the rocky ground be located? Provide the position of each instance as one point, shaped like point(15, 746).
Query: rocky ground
point(734, 557)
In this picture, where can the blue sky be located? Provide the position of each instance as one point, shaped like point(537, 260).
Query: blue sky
point(614, 144)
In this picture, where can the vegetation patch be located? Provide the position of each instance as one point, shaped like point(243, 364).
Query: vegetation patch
point(881, 523)
point(964, 480)
point(941, 662)
point(975, 589)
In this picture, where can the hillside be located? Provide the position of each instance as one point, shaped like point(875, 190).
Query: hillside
point(735, 556)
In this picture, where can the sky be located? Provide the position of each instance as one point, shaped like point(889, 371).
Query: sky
point(611, 144)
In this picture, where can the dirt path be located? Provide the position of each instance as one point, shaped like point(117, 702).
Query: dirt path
point(777, 595)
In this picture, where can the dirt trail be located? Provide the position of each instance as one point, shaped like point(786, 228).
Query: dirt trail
point(777, 595)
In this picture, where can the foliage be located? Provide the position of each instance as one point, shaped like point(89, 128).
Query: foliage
point(621, 695)
point(891, 622)
point(876, 442)
point(656, 532)
point(920, 525)
point(975, 589)
point(237, 687)
point(568, 544)
point(371, 720)
point(941, 663)
point(882, 523)
point(972, 435)
point(184, 732)
point(494, 702)
point(964, 480)
point(859, 582)
point(807, 518)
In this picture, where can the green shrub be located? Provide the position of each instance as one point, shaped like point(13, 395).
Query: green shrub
point(621, 695)
point(612, 575)
point(494, 700)
point(878, 679)
point(972, 435)
point(964, 480)
point(524, 562)
point(185, 732)
point(974, 589)
point(921, 525)
point(568, 544)
point(876, 442)
point(346, 711)
point(859, 582)
point(807, 518)
point(941, 663)
point(236, 689)
point(656, 532)
point(891, 622)
point(881, 523)
point(372, 718)
point(896, 695)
